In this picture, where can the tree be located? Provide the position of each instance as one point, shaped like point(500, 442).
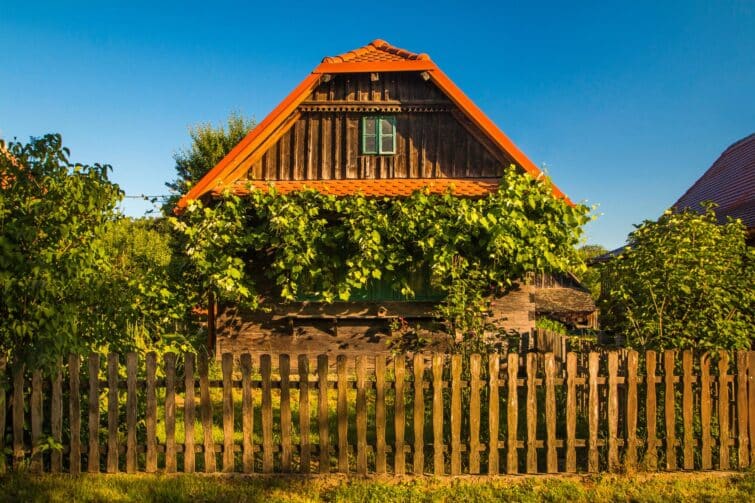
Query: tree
point(209, 144)
point(683, 281)
point(53, 214)
point(590, 276)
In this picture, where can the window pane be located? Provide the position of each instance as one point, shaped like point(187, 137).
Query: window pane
point(386, 126)
point(370, 145)
point(386, 144)
point(369, 125)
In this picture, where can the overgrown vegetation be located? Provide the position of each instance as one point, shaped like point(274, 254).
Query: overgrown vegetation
point(684, 281)
point(270, 246)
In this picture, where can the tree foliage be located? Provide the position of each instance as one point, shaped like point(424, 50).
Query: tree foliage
point(684, 281)
point(310, 244)
point(590, 276)
point(209, 144)
point(53, 214)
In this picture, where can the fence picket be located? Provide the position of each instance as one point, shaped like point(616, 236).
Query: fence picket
point(418, 464)
point(284, 368)
point(750, 400)
point(531, 415)
point(205, 403)
point(227, 370)
point(651, 454)
point(592, 414)
point(131, 412)
point(571, 413)
point(342, 413)
point(18, 413)
point(35, 408)
point(551, 457)
point(512, 417)
point(380, 457)
point(493, 414)
point(304, 426)
point(723, 411)
point(112, 412)
point(170, 413)
point(247, 414)
point(743, 447)
point(630, 456)
point(56, 417)
point(455, 414)
point(474, 414)
point(189, 414)
point(438, 462)
point(151, 413)
point(613, 411)
point(322, 405)
point(267, 414)
point(687, 411)
point(74, 415)
point(705, 413)
point(361, 413)
point(3, 410)
point(399, 459)
point(668, 408)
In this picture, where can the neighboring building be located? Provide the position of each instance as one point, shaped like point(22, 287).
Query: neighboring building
point(379, 121)
point(730, 183)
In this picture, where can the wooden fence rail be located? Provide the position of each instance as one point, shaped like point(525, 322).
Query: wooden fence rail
point(428, 413)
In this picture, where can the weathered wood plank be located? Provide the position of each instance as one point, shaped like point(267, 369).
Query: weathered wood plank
point(651, 453)
point(571, 413)
point(688, 411)
point(418, 463)
point(267, 414)
point(18, 413)
point(361, 413)
point(456, 414)
point(56, 417)
point(630, 457)
point(205, 404)
point(669, 408)
point(226, 363)
point(112, 412)
point(247, 414)
point(131, 398)
point(35, 409)
point(750, 400)
point(342, 412)
point(493, 414)
point(322, 413)
point(399, 420)
point(3, 410)
point(512, 415)
point(74, 414)
point(151, 413)
point(438, 462)
point(706, 413)
point(474, 414)
point(170, 412)
point(613, 411)
point(189, 414)
point(284, 368)
point(304, 426)
point(380, 450)
point(592, 414)
point(551, 456)
point(723, 410)
point(531, 416)
point(743, 447)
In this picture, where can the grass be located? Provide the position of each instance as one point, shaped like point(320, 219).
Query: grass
point(200, 488)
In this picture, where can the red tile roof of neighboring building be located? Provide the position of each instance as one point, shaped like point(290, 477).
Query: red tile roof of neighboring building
point(377, 56)
point(387, 187)
point(729, 182)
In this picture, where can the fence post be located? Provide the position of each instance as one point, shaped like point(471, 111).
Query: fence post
point(380, 458)
point(494, 369)
point(18, 415)
point(247, 416)
point(322, 404)
point(112, 412)
point(705, 413)
point(399, 459)
point(688, 412)
point(651, 454)
point(630, 457)
point(284, 368)
point(723, 410)
point(418, 464)
point(74, 411)
point(751, 401)
point(613, 411)
point(531, 415)
point(551, 458)
point(455, 414)
point(35, 407)
point(474, 414)
point(267, 415)
point(170, 413)
point(3, 410)
point(189, 414)
point(571, 412)
point(93, 422)
point(593, 417)
point(131, 413)
point(438, 461)
point(206, 405)
point(361, 413)
point(227, 369)
point(512, 417)
point(304, 426)
point(342, 413)
point(56, 416)
point(151, 412)
point(668, 408)
point(742, 443)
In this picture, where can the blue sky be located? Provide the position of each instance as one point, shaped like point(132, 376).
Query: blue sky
point(626, 104)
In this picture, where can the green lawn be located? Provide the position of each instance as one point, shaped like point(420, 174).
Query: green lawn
point(227, 489)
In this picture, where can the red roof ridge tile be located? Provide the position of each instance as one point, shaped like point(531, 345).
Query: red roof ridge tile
point(376, 46)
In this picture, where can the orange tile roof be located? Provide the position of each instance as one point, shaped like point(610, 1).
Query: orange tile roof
point(377, 50)
point(377, 56)
point(384, 187)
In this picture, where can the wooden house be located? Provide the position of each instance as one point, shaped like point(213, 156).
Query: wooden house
point(380, 121)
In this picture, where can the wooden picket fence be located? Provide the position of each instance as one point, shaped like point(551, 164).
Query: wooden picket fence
point(423, 413)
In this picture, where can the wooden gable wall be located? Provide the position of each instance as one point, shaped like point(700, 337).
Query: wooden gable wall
point(434, 139)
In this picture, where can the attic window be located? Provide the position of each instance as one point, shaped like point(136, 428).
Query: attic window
point(379, 135)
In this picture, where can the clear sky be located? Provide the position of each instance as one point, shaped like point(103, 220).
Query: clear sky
point(625, 104)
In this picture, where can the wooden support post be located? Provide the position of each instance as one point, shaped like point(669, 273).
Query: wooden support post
point(688, 411)
point(228, 443)
point(551, 456)
point(651, 453)
point(531, 416)
point(322, 405)
point(512, 414)
point(743, 447)
point(342, 413)
point(361, 413)
point(380, 448)
point(189, 414)
point(284, 368)
point(418, 464)
point(170, 413)
point(705, 413)
point(399, 421)
point(438, 461)
point(131, 412)
point(630, 459)
point(304, 426)
point(456, 414)
point(723, 411)
point(247, 414)
point(571, 413)
point(668, 408)
point(613, 411)
point(592, 415)
point(151, 410)
point(267, 414)
point(474, 414)
point(493, 414)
